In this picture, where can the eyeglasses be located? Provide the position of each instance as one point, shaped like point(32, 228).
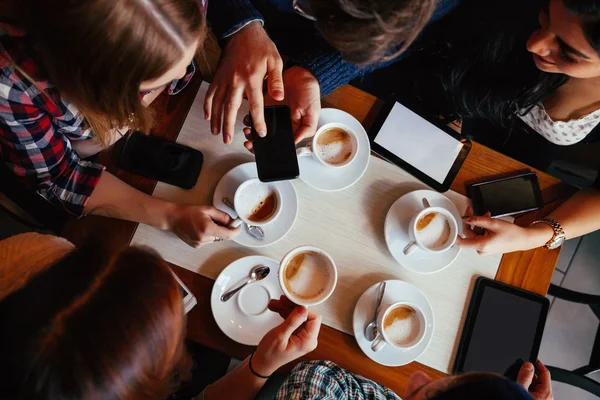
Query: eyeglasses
point(302, 8)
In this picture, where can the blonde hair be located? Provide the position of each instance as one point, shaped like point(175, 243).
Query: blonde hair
point(98, 52)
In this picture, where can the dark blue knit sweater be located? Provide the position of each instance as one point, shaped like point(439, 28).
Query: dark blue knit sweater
point(326, 63)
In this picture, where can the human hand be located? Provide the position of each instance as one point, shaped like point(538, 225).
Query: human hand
point(501, 236)
point(199, 225)
point(540, 386)
point(295, 337)
point(248, 58)
point(303, 97)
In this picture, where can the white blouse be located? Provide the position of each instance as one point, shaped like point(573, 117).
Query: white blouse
point(559, 132)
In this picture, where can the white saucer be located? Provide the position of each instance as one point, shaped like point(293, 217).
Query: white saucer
point(397, 236)
point(365, 309)
point(245, 318)
point(316, 175)
point(274, 230)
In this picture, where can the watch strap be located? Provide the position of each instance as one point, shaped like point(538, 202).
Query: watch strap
point(558, 230)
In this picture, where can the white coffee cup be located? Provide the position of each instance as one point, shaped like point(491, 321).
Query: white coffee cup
point(314, 149)
point(314, 279)
point(417, 239)
point(410, 337)
point(250, 195)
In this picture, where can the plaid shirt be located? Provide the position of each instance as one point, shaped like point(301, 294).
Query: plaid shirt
point(36, 129)
point(324, 380)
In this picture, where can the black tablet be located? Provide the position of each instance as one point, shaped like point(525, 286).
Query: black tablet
point(503, 329)
point(431, 153)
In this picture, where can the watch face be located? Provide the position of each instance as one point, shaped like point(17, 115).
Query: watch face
point(556, 243)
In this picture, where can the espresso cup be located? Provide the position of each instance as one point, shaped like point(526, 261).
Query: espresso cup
point(307, 275)
point(401, 325)
point(433, 230)
point(257, 203)
point(334, 145)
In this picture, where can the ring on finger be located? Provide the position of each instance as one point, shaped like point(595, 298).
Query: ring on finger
point(218, 239)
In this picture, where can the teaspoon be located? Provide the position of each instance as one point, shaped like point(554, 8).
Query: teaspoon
point(258, 273)
point(371, 330)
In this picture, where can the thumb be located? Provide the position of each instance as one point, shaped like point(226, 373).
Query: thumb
point(525, 376)
point(293, 321)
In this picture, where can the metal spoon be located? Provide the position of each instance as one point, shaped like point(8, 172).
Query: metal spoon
point(254, 231)
point(258, 273)
point(371, 329)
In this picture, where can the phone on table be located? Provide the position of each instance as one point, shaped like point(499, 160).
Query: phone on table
point(503, 329)
point(276, 157)
point(161, 159)
point(507, 196)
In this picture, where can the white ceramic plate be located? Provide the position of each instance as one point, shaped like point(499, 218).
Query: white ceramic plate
point(317, 176)
point(365, 309)
point(397, 236)
point(245, 317)
point(274, 230)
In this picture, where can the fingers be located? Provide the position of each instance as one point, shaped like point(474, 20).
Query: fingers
point(232, 105)
point(544, 377)
point(208, 100)
point(475, 243)
point(525, 376)
point(257, 110)
point(307, 127)
point(217, 111)
point(220, 217)
point(313, 324)
point(293, 321)
point(488, 223)
point(283, 306)
point(275, 79)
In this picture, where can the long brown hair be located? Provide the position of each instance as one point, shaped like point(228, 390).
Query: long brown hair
point(98, 52)
point(370, 31)
point(94, 326)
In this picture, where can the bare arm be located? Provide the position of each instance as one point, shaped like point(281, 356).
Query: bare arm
point(578, 215)
point(194, 224)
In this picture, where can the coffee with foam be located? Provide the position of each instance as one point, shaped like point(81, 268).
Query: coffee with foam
point(307, 276)
point(433, 230)
point(335, 146)
point(402, 325)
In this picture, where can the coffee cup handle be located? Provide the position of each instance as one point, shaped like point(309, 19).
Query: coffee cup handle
point(304, 151)
point(410, 248)
point(236, 222)
point(378, 344)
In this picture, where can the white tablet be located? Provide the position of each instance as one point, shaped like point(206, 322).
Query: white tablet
point(433, 154)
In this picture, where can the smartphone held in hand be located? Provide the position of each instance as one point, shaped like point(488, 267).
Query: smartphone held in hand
point(276, 158)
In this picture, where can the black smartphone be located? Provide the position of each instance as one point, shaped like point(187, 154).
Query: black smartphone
point(276, 158)
point(161, 159)
point(503, 329)
point(507, 196)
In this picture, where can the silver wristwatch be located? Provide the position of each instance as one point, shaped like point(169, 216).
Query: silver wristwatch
point(559, 235)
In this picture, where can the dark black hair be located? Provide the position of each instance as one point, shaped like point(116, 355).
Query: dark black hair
point(481, 63)
point(589, 12)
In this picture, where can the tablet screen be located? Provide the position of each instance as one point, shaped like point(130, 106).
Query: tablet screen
point(418, 142)
point(505, 331)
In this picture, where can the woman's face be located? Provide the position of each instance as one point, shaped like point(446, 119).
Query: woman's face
point(560, 46)
point(177, 71)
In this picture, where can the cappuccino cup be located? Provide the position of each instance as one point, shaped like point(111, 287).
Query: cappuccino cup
point(401, 325)
point(307, 275)
point(334, 145)
point(257, 203)
point(433, 230)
